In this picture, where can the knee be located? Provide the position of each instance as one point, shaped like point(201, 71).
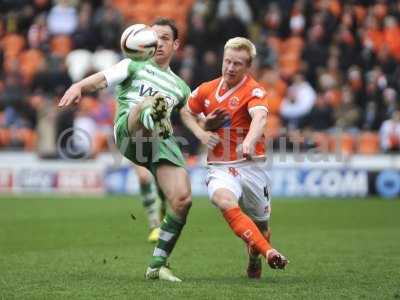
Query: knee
point(184, 200)
point(181, 203)
point(144, 178)
point(224, 199)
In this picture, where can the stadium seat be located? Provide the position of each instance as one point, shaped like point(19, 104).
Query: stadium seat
point(322, 141)
point(12, 44)
point(293, 43)
point(289, 63)
point(343, 143)
point(274, 43)
point(30, 60)
point(101, 142)
point(368, 143)
point(142, 12)
point(5, 137)
point(26, 136)
point(61, 45)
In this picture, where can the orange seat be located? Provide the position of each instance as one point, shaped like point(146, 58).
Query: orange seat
point(368, 143)
point(322, 140)
point(30, 61)
point(343, 143)
point(61, 45)
point(11, 64)
point(12, 44)
point(101, 142)
point(274, 43)
point(5, 137)
point(293, 43)
point(289, 63)
point(27, 136)
point(139, 13)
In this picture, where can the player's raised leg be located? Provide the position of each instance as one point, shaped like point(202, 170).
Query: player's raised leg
point(151, 203)
point(174, 183)
point(151, 115)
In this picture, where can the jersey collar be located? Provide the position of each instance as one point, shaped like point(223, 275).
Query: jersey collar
point(228, 93)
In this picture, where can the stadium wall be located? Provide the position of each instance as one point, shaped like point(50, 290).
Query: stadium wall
point(291, 175)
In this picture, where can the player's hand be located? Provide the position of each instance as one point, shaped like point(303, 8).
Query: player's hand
point(247, 150)
point(211, 139)
point(72, 95)
point(216, 119)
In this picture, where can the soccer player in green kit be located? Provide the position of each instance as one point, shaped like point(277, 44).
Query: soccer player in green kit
point(147, 92)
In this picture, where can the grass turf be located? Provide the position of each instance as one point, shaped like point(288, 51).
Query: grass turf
point(77, 248)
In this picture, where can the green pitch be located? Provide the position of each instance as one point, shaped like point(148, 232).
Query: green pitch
point(77, 248)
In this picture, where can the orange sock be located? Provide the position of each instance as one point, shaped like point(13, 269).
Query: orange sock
point(253, 252)
point(245, 228)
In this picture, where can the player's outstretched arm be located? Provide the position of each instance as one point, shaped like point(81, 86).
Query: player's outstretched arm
point(257, 125)
point(208, 138)
point(89, 84)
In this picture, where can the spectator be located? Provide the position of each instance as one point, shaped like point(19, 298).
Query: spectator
point(371, 119)
point(207, 69)
point(198, 35)
point(108, 25)
point(235, 8)
point(298, 103)
point(347, 114)
point(84, 37)
point(62, 18)
point(389, 133)
point(321, 117)
point(38, 33)
point(315, 53)
point(230, 24)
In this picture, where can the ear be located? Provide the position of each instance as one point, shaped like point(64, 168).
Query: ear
point(177, 43)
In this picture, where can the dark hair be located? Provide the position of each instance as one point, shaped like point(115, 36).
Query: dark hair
point(167, 22)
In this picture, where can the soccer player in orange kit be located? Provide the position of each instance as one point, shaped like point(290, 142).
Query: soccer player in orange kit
point(237, 181)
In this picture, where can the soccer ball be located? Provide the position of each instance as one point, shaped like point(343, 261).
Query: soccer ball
point(139, 42)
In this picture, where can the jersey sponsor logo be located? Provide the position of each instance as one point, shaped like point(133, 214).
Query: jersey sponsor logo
point(206, 103)
point(257, 92)
point(146, 91)
point(149, 91)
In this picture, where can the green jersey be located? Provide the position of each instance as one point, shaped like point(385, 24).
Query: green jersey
point(146, 79)
point(137, 80)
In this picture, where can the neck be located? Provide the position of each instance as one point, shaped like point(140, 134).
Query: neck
point(162, 65)
point(228, 86)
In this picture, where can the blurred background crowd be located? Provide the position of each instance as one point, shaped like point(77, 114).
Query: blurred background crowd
point(330, 68)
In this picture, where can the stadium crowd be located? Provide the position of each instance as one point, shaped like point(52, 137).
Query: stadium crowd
point(330, 67)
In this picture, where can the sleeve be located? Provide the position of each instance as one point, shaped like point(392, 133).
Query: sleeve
point(195, 103)
point(117, 73)
point(257, 101)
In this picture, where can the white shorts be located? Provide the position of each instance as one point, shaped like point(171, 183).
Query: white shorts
point(248, 181)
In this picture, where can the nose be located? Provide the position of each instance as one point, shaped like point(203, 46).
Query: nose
point(230, 68)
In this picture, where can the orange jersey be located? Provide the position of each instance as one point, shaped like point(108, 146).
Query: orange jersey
point(239, 101)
